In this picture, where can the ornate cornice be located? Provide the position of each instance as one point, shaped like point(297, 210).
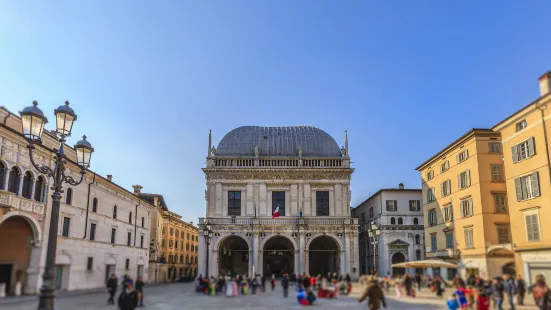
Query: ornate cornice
point(235, 184)
point(278, 184)
point(281, 175)
point(321, 185)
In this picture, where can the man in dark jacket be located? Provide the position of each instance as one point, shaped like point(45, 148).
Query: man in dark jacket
point(128, 299)
point(374, 293)
point(139, 289)
point(112, 289)
point(285, 285)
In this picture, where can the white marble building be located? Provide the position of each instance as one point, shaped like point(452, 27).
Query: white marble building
point(399, 214)
point(103, 228)
point(304, 172)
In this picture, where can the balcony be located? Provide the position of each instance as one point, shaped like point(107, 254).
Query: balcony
point(21, 204)
point(279, 221)
point(451, 253)
point(291, 162)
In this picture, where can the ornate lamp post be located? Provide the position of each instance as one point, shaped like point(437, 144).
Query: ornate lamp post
point(33, 121)
point(374, 232)
point(207, 233)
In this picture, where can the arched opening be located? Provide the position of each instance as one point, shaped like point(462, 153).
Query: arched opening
point(415, 221)
point(396, 259)
point(392, 221)
point(509, 269)
point(278, 256)
point(400, 221)
point(27, 185)
point(16, 253)
point(40, 189)
point(417, 239)
point(323, 256)
point(69, 196)
point(233, 256)
point(3, 171)
point(417, 254)
point(13, 185)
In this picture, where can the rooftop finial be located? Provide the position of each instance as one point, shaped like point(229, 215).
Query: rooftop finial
point(35, 103)
point(346, 142)
point(210, 143)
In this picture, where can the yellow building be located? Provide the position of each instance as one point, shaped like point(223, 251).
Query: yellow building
point(465, 206)
point(179, 246)
point(526, 136)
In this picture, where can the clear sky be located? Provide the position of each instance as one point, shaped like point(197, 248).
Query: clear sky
point(148, 79)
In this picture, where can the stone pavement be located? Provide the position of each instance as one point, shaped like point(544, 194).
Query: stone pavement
point(182, 296)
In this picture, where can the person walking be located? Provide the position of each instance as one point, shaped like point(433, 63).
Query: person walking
point(128, 299)
point(510, 290)
point(112, 289)
point(541, 293)
point(521, 290)
point(497, 293)
point(285, 285)
point(139, 289)
point(374, 293)
point(419, 281)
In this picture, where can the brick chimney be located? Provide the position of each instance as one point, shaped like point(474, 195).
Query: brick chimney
point(545, 83)
point(137, 189)
point(401, 186)
point(110, 177)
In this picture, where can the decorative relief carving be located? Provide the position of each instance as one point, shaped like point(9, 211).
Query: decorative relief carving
point(235, 184)
point(322, 185)
point(26, 206)
point(5, 198)
point(278, 184)
point(281, 175)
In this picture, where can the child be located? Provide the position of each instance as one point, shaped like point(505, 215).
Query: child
point(453, 304)
point(483, 300)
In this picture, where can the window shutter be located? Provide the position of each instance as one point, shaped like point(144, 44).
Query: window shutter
point(535, 184)
point(468, 178)
point(395, 205)
point(528, 219)
point(471, 211)
point(457, 158)
point(518, 188)
point(442, 189)
point(466, 154)
point(531, 147)
point(418, 205)
point(459, 185)
point(514, 153)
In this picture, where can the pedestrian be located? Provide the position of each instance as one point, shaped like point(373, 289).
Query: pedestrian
point(541, 293)
point(374, 294)
point(139, 288)
point(483, 299)
point(453, 303)
point(419, 281)
point(285, 285)
point(438, 284)
point(112, 289)
point(263, 283)
point(397, 283)
point(510, 290)
point(273, 282)
point(497, 293)
point(128, 299)
point(521, 290)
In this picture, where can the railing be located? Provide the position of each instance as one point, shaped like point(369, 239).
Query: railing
point(20, 203)
point(280, 162)
point(278, 221)
point(443, 253)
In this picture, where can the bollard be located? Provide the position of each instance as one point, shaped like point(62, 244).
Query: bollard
point(2, 290)
point(18, 288)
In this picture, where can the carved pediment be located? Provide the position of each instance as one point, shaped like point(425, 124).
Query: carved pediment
point(398, 242)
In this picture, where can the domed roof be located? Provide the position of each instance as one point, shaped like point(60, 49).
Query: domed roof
point(278, 141)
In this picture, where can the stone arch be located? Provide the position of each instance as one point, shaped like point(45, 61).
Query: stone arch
point(220, 240)
point(325, 256)
point(286, 236)
point(233, 259)
point(63, 258)
point(35, 226)
point(336, 239)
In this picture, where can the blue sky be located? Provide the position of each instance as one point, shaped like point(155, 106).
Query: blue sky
point(148, 79)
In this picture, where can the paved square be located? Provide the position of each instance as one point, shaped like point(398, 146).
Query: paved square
point(182, 296)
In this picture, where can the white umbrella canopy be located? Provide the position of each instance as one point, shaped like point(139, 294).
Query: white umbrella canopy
point(431, 263)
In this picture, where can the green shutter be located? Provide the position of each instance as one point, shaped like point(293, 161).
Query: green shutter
point(518, 188)
point(535, 184)
point(531, 147)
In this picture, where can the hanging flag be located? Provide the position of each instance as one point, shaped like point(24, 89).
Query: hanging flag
point(276, 212)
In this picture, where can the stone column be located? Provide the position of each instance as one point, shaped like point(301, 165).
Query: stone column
point(218, 203)
point(301, 254)
point(256, 250)
point(201, 261)
point(33, 187)
point(20, 189)
point(297, 257)
point(213, 263)
point(259, 269)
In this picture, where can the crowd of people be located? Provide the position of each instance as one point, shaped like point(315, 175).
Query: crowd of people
point(131, 295)
point(473, 293)
point(306, 286)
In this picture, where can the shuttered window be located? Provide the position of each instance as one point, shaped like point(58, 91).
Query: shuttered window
point(432, 217)
point(469, 240)
point(445, 166)
point(466, 206)
point(462, 156)
point(503, 235)
point(524, 150)
point(497, 173)
point(464, 179)
point(449, 240)
point(494, 147)
point(448, 213)
point(433, 243)
point(527, 186)
point(392, 205)
point(446, 188)
point(414, 205)
point(500, 202)
point(430, 195)
point(521, 125)
point(430, 175)
point(532, 227)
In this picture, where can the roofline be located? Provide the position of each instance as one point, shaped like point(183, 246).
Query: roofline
point(69, 159)
point(464, 137)
point(388, 190)
point(538, 100)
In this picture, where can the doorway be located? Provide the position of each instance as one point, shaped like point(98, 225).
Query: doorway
point(323, 256)
point(278, 257)
point(398, 258)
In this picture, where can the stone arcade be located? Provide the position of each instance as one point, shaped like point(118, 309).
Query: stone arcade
point(302, 171)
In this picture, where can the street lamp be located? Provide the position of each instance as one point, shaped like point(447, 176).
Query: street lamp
point(207, 233)
point(33, 121)
point(374, 232)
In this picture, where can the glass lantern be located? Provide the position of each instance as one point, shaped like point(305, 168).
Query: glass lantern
point(33, 121)
point(65, 117)
point(84, 152)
